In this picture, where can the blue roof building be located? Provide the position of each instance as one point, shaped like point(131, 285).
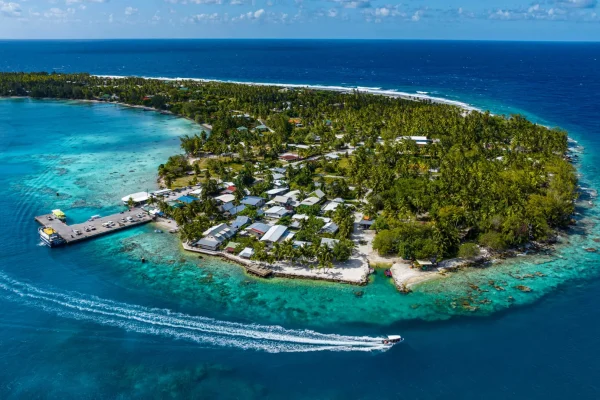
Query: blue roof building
point(253, 201)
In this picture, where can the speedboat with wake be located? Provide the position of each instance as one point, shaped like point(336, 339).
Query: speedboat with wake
point(391, 340)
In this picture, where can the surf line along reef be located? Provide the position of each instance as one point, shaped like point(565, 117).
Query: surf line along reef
point(329, 184)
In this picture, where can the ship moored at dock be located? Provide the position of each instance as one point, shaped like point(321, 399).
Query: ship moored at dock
point(50, 237)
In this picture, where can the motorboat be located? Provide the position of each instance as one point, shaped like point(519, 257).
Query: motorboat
point(50, 237)
point(391, 340)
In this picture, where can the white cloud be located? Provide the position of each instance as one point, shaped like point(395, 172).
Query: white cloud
point(417, 16)
point(353, 3)
point(131, 11)
point(60, 14)
point(214, 17)
point(10, 9)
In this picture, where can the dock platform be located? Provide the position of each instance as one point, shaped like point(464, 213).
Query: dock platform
point(69, 234)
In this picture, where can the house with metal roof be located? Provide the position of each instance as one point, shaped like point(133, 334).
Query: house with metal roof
point(311, 201)
point(280, 200)
point(277, 212)
point(318, 193)
point(275, 234)
point(275, 192)
point(187, 199)
point(248, 252)
point(208, 244)
point(258, 229)
point(240, 221)
point(330, 227)
point(236, 210)
point(225, 198)
point(253, 201)
point(331, 205)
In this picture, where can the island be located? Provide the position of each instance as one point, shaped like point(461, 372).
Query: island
point(333, 184)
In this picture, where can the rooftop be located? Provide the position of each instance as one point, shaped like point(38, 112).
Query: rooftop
point(274, 234)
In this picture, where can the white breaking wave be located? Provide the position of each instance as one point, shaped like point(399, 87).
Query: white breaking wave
point(163, 322)
point(372, 90)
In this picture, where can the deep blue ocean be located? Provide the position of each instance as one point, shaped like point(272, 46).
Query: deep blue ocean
point(89, 321)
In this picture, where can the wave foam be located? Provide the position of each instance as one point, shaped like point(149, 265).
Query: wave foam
point(420, 95)
point(163, 322)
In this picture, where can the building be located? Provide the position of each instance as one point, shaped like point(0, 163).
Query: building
point(311, 201)
point(289, 157)
point(281, 200)
point(332, 205)
point(318, 193)
point(274, 234)
point(236, 210)
point(220, 231)
point(240, 221)
point(208, 244)
point(248, 252)
point(253, 201)
point(187, 199)
point(258, 229)
point(242, 129)
point(261, 128)
point(275, 192)
point(231, 247)
point(161, 193)
point(329, 242)
point(225, 198)
point(330, 227)
point(138, 198)
point(277, 212)
point(366, 224)
point(420, 140)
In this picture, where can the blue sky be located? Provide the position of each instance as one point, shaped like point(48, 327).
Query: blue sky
point(408, 19)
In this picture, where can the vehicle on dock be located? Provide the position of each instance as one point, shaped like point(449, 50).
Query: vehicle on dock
point(50, 237)
point(392, 340)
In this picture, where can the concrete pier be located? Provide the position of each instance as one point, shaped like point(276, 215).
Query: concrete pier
point(70, 232)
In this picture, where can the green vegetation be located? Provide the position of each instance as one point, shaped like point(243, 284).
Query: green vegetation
point(492, 180)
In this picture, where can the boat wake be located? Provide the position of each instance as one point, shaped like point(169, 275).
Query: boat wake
point(163, 322)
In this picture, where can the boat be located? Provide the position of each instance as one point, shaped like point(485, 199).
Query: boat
point(58, 214)
point(50, 237)
point(391, 340)
point(94, 217)
point(157, 231)
point(388, 273)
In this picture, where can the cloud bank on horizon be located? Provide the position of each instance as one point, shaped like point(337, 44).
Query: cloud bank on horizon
point(426, 19)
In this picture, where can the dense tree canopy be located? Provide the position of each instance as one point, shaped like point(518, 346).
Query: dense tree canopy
point(494, 180)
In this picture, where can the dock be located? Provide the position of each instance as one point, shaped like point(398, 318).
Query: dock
point(79, 232)
point(259, 271)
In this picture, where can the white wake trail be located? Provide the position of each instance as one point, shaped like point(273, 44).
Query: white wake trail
point(163, 322)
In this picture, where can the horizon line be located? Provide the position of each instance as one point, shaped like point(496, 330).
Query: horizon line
point(306, 39)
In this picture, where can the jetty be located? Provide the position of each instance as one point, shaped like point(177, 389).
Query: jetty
point(96, 227)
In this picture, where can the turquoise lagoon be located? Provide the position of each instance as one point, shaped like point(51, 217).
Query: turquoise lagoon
point(93, 154)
